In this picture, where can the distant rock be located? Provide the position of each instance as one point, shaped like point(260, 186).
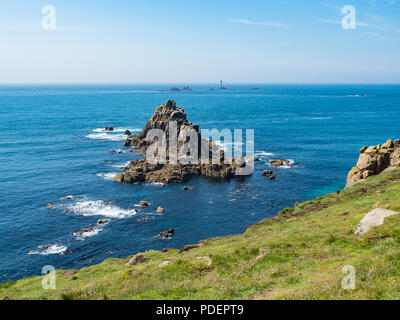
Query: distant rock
point(373, 219)
point(50, 206)
point(205, 260)
point(373, 160)
point(160, 210)
point(186, 188)
point(127, 133)
point(138, 258)
point(167, 234)
point(109, 129)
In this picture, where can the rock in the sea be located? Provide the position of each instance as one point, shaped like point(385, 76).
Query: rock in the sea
point(276, 163)
point(109, 129)
point(144, 203)
point(117, 151)
point(143, 170)
point(186, 188)
point(119, 177)
point(167, 234)
point(43, 246)
point(269, 174)
point(160, 210)
point(127, 133)
point(373, 160)
point(138, 258)
point(373, 219)
point(50, 206)
point(103, 221)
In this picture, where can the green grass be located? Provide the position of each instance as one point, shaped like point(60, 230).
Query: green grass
point(299, 254)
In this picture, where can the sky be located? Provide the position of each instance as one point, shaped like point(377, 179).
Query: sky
point(189, 42)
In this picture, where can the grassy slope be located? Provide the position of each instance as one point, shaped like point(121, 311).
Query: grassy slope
point(304, 250)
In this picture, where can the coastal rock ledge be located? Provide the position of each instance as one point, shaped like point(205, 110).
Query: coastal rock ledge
point(142, 170)
point(373, 160)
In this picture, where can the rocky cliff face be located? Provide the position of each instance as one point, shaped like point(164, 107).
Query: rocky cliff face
point(144, 171)
point(373, 160)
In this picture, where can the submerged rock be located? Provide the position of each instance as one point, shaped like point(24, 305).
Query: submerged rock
point(373, 160)
point(373, 219)
point(177, 171)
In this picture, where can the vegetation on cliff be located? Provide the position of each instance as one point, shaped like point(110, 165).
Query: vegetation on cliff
point(299, 254)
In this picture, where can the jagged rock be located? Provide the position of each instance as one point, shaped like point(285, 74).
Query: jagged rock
point(373, 219)
point(103, 221)
point(109, 129)
point(44, 246)
point(160, 210)
point(373, 160)
point(50, 206)
point(176, 172)
point(127, 133)
point(138, 258)
point(186, 188)
point(166, 234)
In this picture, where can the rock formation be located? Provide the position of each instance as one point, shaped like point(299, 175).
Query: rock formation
point(373, 219)
point(176, 171)
point(373, 160)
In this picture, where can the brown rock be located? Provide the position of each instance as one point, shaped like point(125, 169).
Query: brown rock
point(167, 234)
point(144, 203)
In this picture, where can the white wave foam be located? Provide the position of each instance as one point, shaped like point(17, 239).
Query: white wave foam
point(88, 234)
point(107, 176)
point(100, 208)
point(117, 130)
point(263, 154)
point(53, 249)
point(106, 136)
point(289, 165)
point(118, 166)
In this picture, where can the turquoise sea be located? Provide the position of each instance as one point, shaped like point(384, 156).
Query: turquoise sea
point(52, 146)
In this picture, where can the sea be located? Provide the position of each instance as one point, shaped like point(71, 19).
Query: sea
point(56, 166)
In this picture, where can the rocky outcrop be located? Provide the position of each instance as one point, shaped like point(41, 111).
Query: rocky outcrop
point(138, 258)
point(169, 172)
point(276, 163)
point(373, 219)
point(373, 160)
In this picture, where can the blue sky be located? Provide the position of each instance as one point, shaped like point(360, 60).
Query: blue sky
point(174, 41)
